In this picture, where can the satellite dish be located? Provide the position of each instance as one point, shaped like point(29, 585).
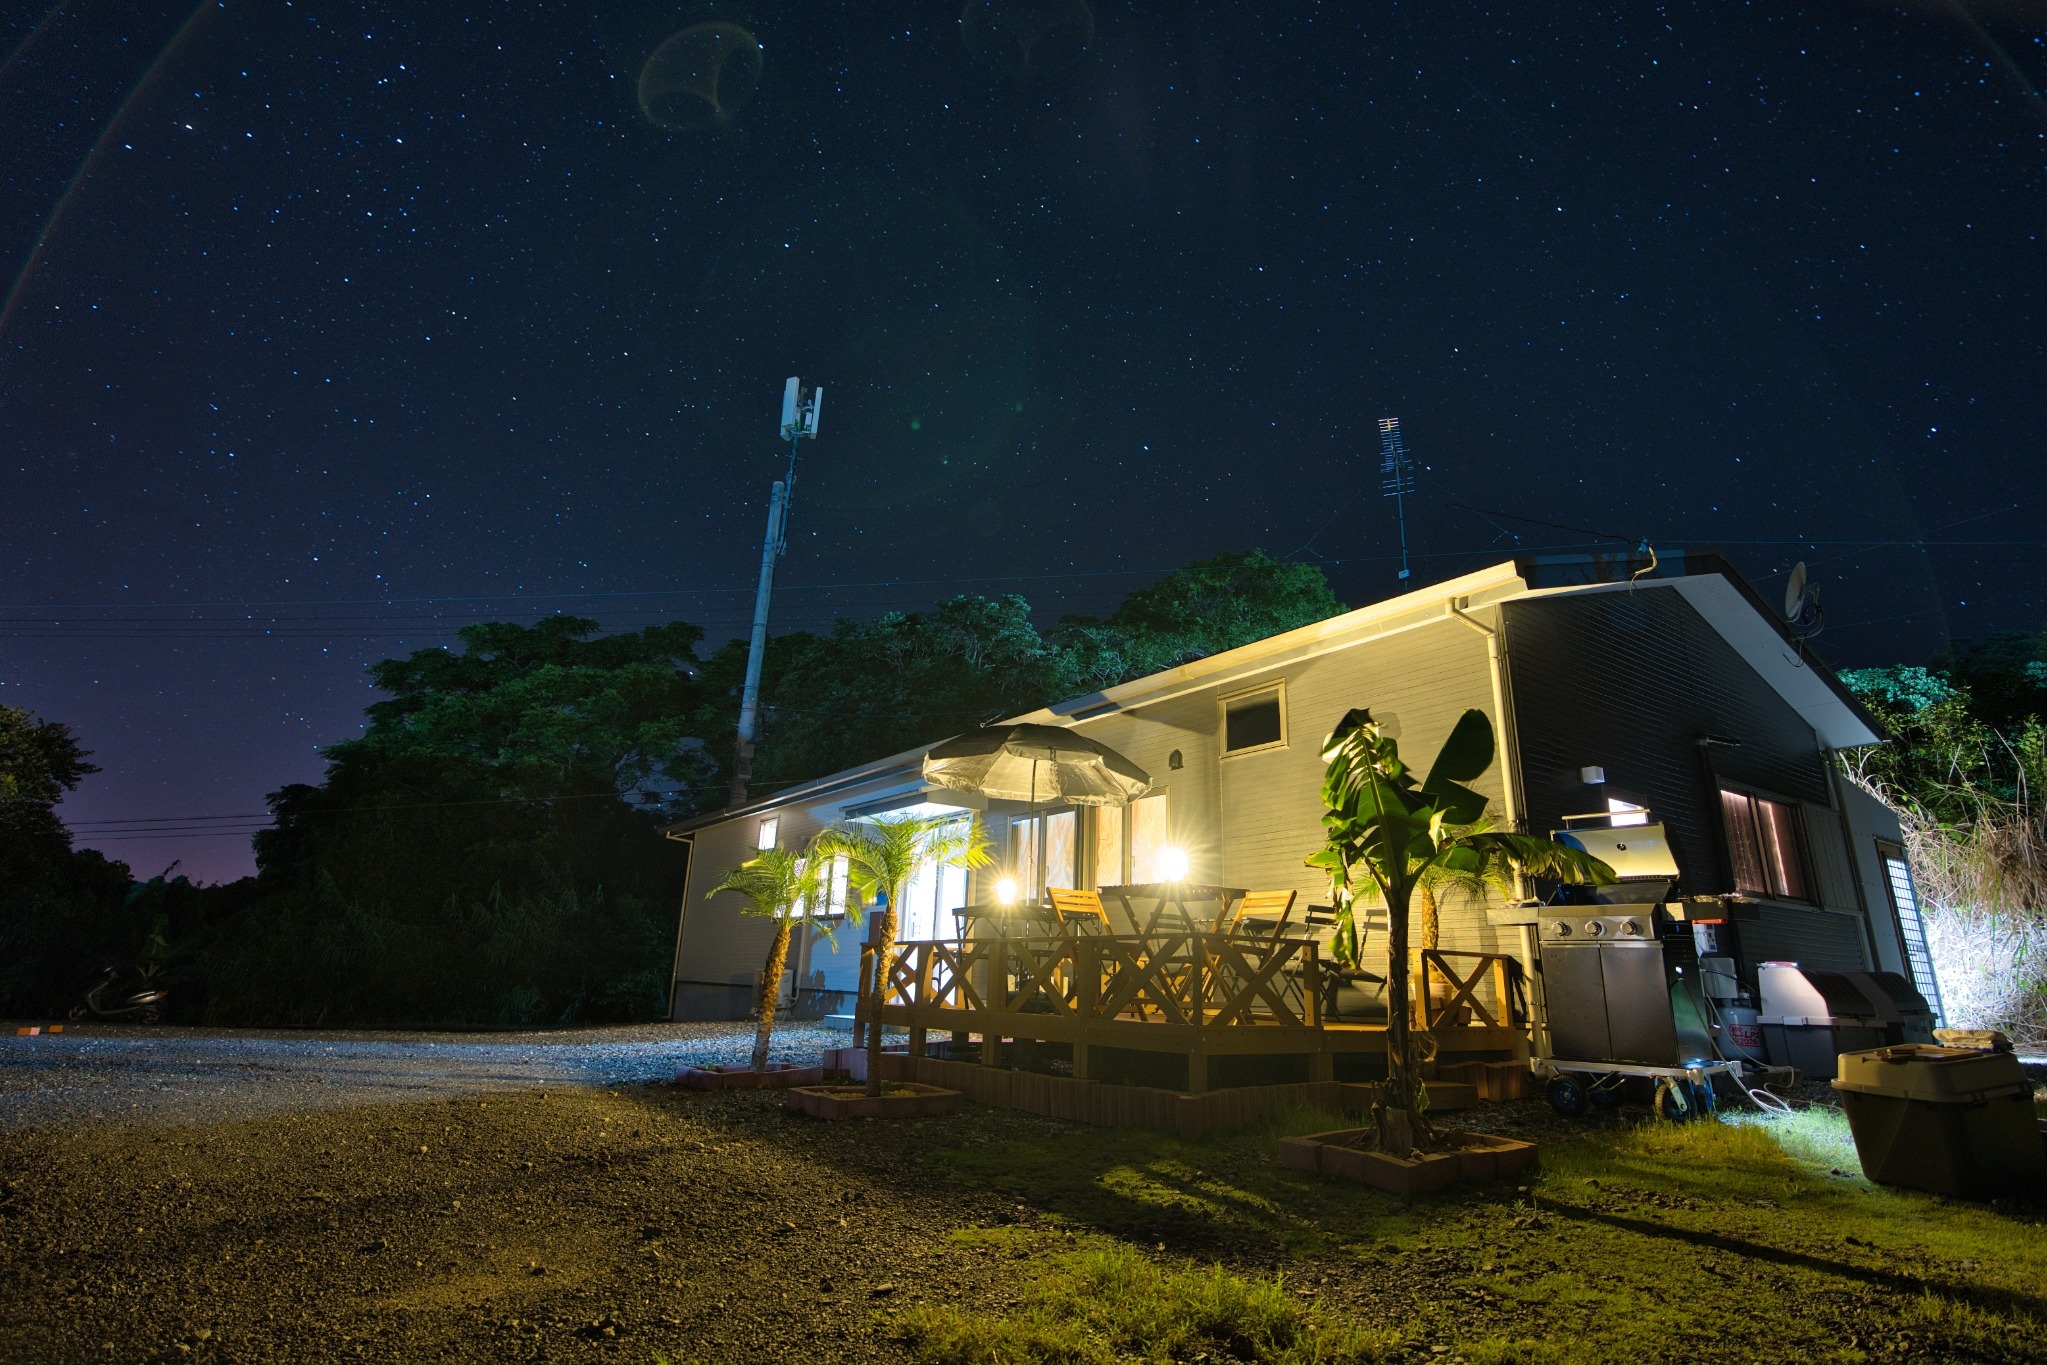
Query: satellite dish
point(1802, 605)
point(1794, 594)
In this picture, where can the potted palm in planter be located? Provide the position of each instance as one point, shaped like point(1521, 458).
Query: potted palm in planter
point(1384, 832)
point(883, 854)
point(782, 885)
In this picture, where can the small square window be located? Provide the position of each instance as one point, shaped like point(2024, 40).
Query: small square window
point(1253, 721)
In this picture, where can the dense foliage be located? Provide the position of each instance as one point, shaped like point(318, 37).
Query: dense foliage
point(487, 852)
point(1966, 768)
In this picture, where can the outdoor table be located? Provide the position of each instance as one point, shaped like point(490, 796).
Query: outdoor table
point(1007, 920)
point(1174, 896)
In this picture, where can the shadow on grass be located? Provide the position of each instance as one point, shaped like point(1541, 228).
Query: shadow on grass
point(1982, 1296)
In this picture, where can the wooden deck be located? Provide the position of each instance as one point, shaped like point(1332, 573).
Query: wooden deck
point(1199, 996)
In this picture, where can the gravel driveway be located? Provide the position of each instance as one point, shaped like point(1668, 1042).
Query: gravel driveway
point(96, 1072)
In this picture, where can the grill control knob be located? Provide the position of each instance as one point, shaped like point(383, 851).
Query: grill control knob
point(1631, 928)
point(1595, 927)
point(1562, 928)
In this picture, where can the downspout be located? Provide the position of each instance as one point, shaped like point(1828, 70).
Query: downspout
point(689, 842)
point(1834, 781)
point(1510, 753)
point(1510, 801)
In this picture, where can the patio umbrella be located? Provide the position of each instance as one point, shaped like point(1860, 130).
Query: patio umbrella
point(1035, 763)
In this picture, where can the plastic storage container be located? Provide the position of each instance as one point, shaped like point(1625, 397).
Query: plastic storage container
point(1809, 1018)
point(1943, 1119)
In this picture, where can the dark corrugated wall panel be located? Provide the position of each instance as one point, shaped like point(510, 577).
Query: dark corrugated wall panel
point(1629, 681)
point(1821, 939)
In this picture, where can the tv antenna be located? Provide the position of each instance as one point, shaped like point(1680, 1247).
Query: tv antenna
point(1396, 479)
point(799, 420)
point(1802, 611)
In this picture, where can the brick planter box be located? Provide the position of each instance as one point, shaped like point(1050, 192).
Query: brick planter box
point(905, 1100)
point(778, 1076)
point(1480, 1157)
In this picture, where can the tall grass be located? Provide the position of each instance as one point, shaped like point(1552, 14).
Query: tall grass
point(1983, 898)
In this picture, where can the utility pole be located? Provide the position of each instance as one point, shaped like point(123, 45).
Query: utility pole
point(1396, 478)
point(799, 419)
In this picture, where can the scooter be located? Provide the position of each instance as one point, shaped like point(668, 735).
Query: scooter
point(105, 1001)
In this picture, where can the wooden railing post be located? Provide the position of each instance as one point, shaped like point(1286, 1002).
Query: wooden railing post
point(1311, 982)
point(861, 996)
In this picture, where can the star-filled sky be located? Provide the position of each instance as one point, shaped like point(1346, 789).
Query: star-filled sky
point(332, 326)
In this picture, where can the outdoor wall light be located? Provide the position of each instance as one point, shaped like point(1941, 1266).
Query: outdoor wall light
point(1173, 863)
point(1005, 891)
point(1592, 777)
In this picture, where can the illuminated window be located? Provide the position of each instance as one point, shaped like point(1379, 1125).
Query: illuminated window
point(1042, 851)
point(931, 897)
point(1764, 845)
point(1253, 721)
point(1109, 850)
point(833, 903)
point(1911, 932)
point(766, 839)
point(1150, 834)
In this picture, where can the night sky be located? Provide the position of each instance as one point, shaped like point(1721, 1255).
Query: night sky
point(333, 327)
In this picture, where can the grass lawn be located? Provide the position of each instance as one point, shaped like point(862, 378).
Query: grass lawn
point(1740, 1240)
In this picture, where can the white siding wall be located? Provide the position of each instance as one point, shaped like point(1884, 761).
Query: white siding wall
point(722, 946)
point(1251, 821)
point(1248, 821)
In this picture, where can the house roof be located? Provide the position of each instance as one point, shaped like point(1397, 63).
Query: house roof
point(1703, 578)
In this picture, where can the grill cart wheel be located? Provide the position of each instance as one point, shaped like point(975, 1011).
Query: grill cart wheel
point(1680, 1101)
point(1567, 1096)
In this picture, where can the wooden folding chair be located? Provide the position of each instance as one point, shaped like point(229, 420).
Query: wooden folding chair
point(1348, 994)
point(1078, 911)
point(1273, 905)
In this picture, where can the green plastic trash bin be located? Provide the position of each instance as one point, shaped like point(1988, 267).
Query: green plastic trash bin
point(1950, 1120)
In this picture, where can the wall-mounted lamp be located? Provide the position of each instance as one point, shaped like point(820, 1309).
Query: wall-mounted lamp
point(1173, 863)
point(1592, 777)
point(1005, 891)
point(1174, 761)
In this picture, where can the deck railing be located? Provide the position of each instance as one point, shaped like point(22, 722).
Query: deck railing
point(1197, 980)
point(1498, 1007)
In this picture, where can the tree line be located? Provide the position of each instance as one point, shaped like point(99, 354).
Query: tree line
point(487, 851)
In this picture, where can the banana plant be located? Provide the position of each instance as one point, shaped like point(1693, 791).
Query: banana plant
point(1385, 832)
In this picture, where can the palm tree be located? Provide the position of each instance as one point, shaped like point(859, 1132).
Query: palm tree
point(882, 854)
point(1385, 832)
point(784, 886)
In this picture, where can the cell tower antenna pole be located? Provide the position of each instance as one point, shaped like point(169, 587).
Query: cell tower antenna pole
point(799, 419)
point(1396, 479)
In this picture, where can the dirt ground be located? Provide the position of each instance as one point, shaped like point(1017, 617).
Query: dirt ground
point(207, 1196)
point(574, 1220)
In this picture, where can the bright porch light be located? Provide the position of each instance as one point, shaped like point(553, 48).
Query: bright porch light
point(1173, 863)
point(1005, 891)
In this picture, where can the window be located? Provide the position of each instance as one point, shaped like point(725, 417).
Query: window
point(1911, 931)
point(833, 904)
point(929, 900)
point(1254, 720)
point(1042, 851)
point(1109, 849)
point(1150, 835)
point(1763, 844)
point(765, 840)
